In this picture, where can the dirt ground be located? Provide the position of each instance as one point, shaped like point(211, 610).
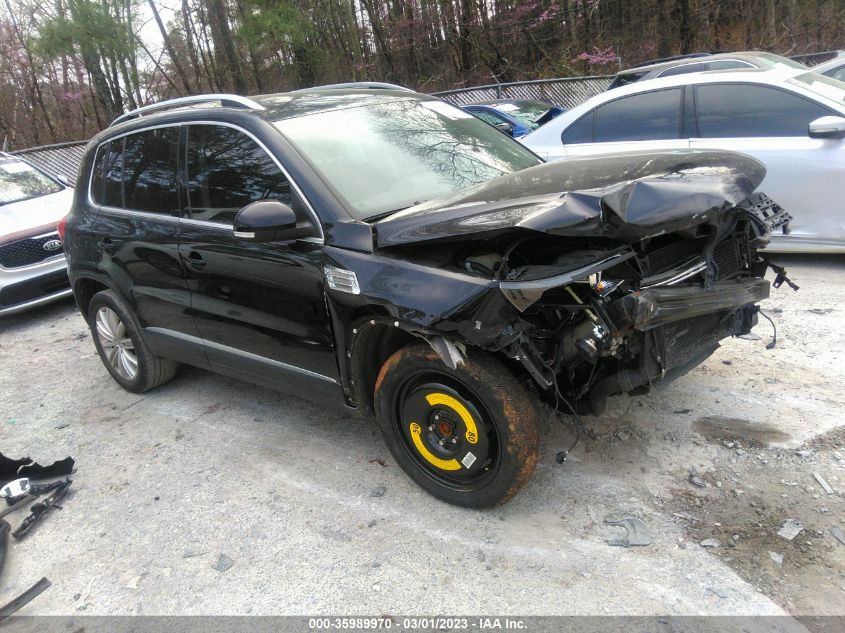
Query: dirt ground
point(309, 522)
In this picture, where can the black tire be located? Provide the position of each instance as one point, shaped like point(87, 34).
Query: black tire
point(151, 370)
point(468, 436)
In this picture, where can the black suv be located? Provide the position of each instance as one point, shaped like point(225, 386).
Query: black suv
point(391, 253)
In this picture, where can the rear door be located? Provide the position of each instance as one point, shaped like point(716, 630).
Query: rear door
point(804, 175)
point(134, 192)
point(260, 307)
point(648, 120)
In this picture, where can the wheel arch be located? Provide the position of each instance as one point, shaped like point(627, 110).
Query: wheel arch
point(84, 289)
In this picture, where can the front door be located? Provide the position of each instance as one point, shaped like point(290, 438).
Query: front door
point(260, 307)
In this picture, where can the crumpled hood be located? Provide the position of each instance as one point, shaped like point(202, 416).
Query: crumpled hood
point(627, 196)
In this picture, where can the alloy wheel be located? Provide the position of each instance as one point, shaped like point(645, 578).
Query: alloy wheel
point(117, 346)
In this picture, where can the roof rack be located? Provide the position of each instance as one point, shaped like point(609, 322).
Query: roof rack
point(673, 58)
point(226, 101)
point(373, 85)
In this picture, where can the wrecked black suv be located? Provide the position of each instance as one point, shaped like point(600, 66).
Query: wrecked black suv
point(391, 253)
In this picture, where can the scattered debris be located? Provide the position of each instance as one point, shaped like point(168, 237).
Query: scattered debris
point(378, 460)
point(750, 337)
point(192, 553)
point(823, 483)
point(82, 598)
point(25, 598)
point(224, 563)
point(806, 452)
point(727, 362)
point(378, 491)
point(695, 480)
point(636, 532)
point(838, 534)
point(777, 558)
point(560, 457)
point(685, 516)
point(719, 592)
point(5, 528)
point(63, 425)
point(710, 543)
point(132, 583)
point(790, 529)
point(681, 411)
point(40, 509)
point(25, 467)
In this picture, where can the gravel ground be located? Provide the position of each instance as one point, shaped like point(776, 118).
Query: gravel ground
point(207, 473)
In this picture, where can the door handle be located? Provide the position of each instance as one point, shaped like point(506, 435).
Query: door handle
point(107, 245)
point(195, 260)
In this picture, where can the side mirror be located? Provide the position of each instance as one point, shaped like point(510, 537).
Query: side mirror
point(268, 221)
point(827, 127)
point(505, 127)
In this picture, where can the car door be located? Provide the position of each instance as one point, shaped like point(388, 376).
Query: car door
point(260, 307)
point(134, 192)
point(804, 175)
point(649, 120)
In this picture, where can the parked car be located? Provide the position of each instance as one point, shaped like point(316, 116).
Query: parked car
point(387, 252)
point(33, 270)
point(702, 62)
point(791, 120)
point(516, 117)
point(833, 68)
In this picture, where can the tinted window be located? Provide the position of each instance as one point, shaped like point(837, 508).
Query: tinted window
point(686, 68)
point(21, 181)
point(227, 170)
point(579, 132)
point(149, 171)
point(643, 117)
point(97, 173)
point(113, 174)
point(839, 74)
point(737, 110)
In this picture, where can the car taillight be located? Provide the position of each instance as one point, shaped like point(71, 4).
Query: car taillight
point(61, 228)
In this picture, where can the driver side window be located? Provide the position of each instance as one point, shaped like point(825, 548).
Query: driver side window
point(227, 170)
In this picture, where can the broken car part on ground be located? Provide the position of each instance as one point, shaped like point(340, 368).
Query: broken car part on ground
point(519, 284)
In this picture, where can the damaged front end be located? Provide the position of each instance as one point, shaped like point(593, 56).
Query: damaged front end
point(593, 276)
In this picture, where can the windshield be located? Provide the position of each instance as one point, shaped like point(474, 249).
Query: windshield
point(20, 181)
point(388, 156)
point(822, 85)
point(526, 112)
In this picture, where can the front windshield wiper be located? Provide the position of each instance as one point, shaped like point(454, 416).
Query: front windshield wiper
point(384, 214)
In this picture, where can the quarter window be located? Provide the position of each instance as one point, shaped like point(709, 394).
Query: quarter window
point(227, 170)
point(642, 117)
point(579, 132)
point(138, 172)
point(743, 110)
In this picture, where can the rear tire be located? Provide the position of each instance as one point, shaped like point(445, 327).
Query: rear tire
point(121, 346)
point(468, 436)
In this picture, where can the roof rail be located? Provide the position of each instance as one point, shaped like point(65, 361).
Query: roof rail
point(227, 101)
point(662, 60)
point(375, 85)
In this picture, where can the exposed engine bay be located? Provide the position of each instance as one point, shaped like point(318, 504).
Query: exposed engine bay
point(622, 319)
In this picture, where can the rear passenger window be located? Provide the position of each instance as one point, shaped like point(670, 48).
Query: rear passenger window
point(138, 172)
point(149, 171)
point(227, 170)
point(744, 110)
point(642, 117)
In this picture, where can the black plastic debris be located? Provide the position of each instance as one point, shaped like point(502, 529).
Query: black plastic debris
point(38, 510)
point(11, 469)
point(24, 599)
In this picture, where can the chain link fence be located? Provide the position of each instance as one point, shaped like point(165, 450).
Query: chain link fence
point(567, 92)
point(61, 159)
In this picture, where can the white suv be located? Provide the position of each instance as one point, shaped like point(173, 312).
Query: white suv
point(791, 120)
point(33, 269)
